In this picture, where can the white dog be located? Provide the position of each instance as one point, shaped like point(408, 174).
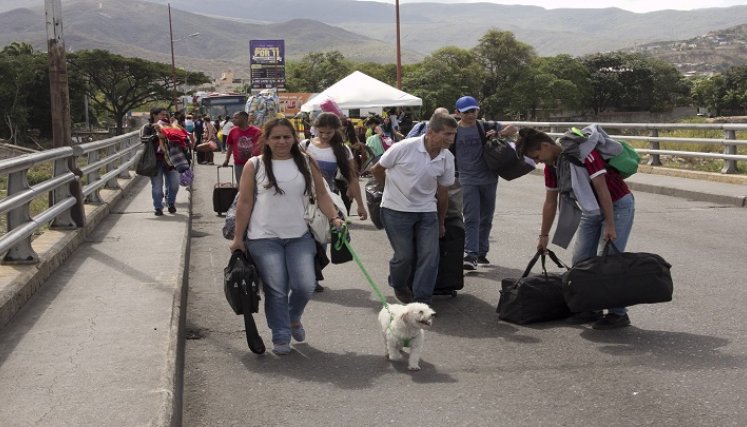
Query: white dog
point(402, 326)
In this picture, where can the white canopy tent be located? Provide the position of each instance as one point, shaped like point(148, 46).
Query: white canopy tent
point(361, 91)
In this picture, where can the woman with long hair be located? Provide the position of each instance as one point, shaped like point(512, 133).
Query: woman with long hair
point(335, 160)
point(273, 192)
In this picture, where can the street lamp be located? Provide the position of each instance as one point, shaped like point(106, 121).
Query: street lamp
point(173, 65)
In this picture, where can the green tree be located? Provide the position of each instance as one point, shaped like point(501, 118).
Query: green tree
point(443, 77)
point(735, 86)
point(632, 82)
point(117, 84)
point(316, 71)
point(709, 92)
point(505, 62)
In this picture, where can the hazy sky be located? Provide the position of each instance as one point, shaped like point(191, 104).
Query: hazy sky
point(640, 6)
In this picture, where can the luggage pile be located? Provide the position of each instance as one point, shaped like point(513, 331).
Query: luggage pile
point(613, 279)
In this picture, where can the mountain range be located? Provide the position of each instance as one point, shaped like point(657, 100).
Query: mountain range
point(361, 30)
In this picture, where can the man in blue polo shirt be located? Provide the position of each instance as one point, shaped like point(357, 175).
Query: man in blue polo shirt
point(417, 172)
point(479, 184)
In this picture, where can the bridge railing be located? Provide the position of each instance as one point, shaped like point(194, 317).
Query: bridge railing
point(99, 164)
point(729, 142)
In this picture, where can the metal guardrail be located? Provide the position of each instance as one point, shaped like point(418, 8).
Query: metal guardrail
point(114, 157)
point(729, 141)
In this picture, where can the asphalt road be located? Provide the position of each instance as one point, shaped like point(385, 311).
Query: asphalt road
point(679, 364)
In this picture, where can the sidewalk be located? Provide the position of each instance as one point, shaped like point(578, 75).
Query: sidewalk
point(100, 343)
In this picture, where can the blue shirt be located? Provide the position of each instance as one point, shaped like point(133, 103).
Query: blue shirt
point(469, 158)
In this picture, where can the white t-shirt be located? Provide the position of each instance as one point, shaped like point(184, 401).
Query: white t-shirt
point(326, 159)
point(279, 215)
point(412, 176)
point(227, 125)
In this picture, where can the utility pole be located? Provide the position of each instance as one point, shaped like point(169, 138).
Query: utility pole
point(59, 97)
point(58, 82)
point(399, 53)
point(173, 63)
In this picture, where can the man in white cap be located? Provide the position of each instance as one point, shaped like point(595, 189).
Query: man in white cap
point(479, 184)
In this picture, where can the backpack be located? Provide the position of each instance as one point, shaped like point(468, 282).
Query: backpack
point(262, 107)
point(618, 154)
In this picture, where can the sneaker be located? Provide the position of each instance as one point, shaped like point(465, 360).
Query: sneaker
point(482, 260)
point(159, 212)
point(584, 317)
point(318, 288)
point(281, 349)
point(470, 263)
point(172, 209)
point(298, 333)
point(404, 295)
point(612, 321)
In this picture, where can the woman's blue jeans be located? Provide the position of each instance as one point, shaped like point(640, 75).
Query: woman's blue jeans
point(479, 207)
point(287, 270)
point(589, 240)
point(171, 178)
point(414, 238)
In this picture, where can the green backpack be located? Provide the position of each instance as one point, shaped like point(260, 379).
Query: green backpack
point(626, 162)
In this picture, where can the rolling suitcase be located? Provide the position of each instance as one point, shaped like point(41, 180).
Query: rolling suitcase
point(224, 193)
point(450, 269)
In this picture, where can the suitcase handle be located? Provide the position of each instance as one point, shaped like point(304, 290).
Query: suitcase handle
point(541, 255)
point(217, 173)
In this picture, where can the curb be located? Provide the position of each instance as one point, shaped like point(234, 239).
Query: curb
point(738, 201)
point(54, 247)
point(173, 381)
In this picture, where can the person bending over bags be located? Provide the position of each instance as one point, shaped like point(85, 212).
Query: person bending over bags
point(270, 210)
point(594, 203)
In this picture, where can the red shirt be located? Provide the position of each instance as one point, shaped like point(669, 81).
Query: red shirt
point(596, 166)
point(244, 143)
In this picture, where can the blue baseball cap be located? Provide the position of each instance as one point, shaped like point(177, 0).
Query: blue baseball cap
point(466, 103)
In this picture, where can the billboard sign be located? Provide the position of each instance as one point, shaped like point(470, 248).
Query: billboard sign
point(267, 64)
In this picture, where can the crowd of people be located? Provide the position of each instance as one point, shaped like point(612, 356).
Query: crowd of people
point(415, 165)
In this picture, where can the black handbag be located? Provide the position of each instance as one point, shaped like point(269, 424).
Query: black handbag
point(147, 165)
point(339, 252)
point(241, 286)
point(535, 298)
point(619, 279)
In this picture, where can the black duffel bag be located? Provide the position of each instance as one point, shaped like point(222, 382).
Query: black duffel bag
point(535, 298)
point(502, 158)
point(618, 279)
point(241, 286)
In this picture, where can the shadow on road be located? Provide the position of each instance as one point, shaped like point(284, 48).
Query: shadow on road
point(665, 349)
point(348, 370)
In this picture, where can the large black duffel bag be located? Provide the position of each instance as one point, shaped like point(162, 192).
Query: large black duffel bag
point(618, 279)
point(535, 298)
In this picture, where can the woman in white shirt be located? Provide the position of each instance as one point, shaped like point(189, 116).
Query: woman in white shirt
point(335, 159)
point(273, 191)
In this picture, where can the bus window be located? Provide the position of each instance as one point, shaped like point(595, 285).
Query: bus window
point(222, 105)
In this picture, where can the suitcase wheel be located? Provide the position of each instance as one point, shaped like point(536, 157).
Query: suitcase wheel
point(453, 294)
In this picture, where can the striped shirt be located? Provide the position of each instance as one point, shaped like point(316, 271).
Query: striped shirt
point(596, 166)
